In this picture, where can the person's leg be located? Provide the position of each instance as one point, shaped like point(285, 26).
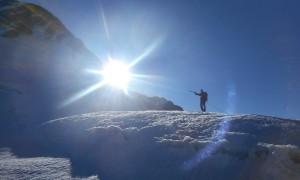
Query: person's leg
point(204, 107)
point(201, 106)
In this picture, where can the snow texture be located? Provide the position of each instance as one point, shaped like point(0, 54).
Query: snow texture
point(12, 167)
point(159, 145)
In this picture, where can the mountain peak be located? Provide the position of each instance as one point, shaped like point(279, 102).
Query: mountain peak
point(19, 18)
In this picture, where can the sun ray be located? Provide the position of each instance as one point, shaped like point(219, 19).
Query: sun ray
point(148, 50)
point(93, 71)
point(105, 23)
point(83, 93)
point(143, 76)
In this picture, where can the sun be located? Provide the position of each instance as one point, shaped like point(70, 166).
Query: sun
point(117, 74)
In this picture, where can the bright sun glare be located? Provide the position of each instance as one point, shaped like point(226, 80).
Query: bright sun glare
point(117, 74)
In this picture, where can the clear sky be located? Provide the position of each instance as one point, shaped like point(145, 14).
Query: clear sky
point(245, 54)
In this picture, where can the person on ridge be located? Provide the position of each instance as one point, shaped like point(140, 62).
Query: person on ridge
point(203, 98)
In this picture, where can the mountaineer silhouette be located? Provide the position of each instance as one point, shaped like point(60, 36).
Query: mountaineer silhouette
point(203, 98)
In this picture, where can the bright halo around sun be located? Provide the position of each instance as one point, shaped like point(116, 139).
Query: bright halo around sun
point(117, 74)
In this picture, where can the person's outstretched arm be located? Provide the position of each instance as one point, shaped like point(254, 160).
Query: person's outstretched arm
point(196, 94)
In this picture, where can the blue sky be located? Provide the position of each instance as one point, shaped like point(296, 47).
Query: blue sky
point(245, 54)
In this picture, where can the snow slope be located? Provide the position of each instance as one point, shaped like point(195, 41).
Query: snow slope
point(13, 167)
point(159, 145)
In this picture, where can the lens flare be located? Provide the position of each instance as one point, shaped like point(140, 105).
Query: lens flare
point(219, 136)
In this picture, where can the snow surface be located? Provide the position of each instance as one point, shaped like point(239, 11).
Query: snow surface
point(12, 167)
point(157, 145)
